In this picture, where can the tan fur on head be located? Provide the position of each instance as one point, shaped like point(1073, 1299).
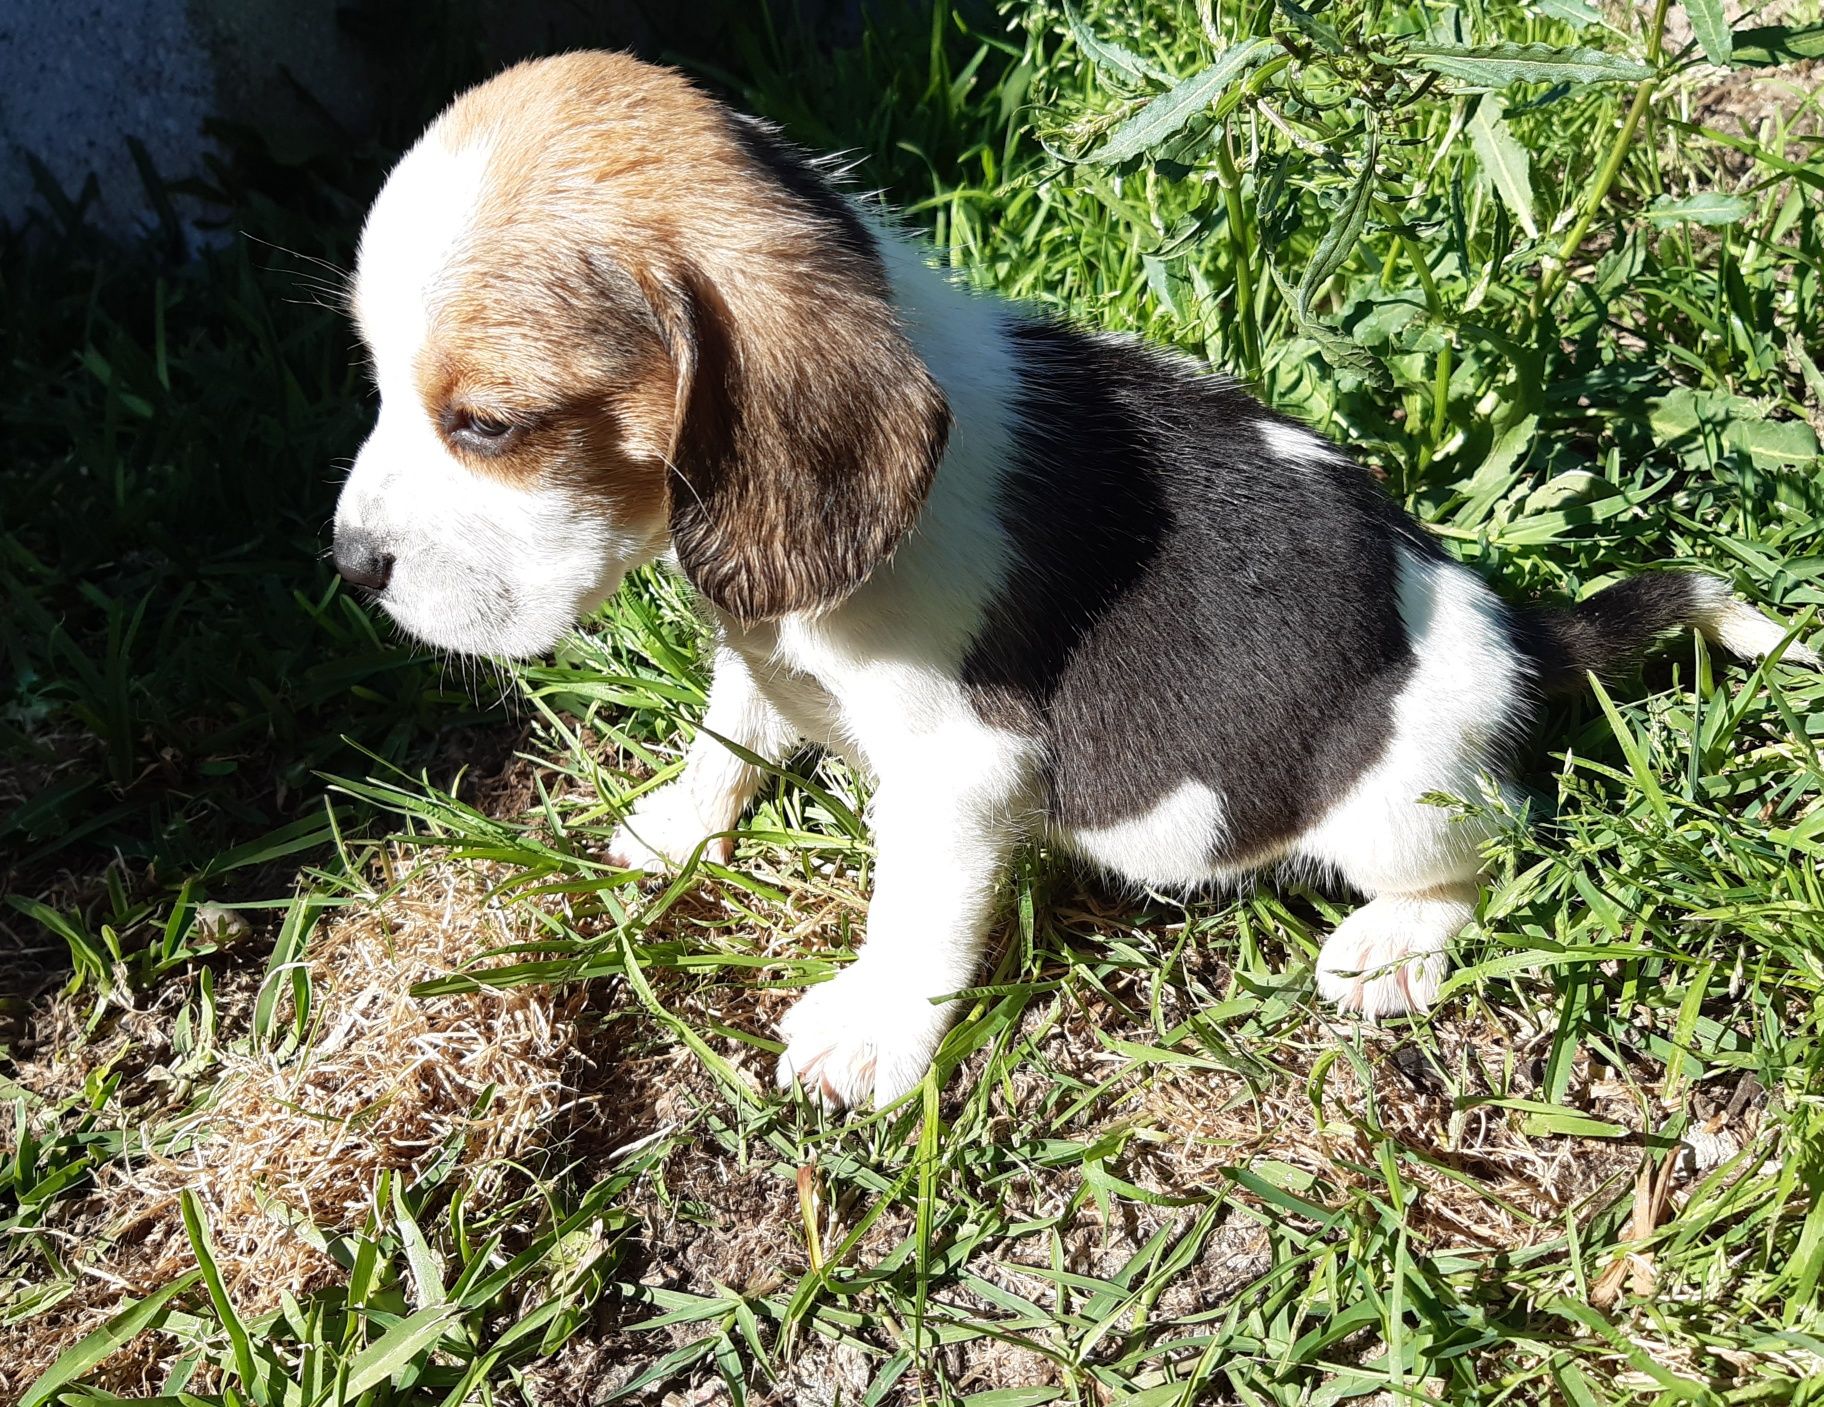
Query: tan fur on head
point(673, 320)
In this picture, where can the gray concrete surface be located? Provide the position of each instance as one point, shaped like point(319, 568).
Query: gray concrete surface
point(80, 77)
point(77, 78)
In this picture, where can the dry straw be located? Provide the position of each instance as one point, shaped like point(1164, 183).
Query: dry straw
point(383, 1081)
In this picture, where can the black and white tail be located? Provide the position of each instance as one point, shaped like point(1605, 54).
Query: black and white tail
point(1617, 624)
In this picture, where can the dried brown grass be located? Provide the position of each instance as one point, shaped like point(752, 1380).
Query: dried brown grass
point(1475, 1178)
point(384, 1081)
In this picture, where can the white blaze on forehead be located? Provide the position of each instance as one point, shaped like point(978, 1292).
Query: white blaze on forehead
point(425, 209)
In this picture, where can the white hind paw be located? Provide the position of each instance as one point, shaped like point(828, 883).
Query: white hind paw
point(1388, 957)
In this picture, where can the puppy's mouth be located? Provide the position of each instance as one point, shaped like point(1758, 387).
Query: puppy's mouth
point(493, 597)
point(478, 619)
point(482, 620)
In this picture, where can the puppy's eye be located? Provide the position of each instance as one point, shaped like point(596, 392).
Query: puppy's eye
point(479, 431)
point(486, 428)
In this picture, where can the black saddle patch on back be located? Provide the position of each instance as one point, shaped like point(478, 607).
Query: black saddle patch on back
point(1186, 604)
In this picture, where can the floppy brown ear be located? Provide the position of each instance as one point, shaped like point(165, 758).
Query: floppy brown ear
point(808, 429)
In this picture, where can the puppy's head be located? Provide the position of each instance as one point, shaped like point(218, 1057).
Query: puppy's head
point(606, 315)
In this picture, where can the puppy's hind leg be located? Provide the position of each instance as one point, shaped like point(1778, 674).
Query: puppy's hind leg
point(1419, 865)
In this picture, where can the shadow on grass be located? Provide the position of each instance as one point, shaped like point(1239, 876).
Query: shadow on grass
point(180, 665)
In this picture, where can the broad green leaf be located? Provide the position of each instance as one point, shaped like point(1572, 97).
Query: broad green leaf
point(398, 1348)
point(1504, 160)
point(1345, 355)
point(1166, 114)
point(1339, 240)
point(1580, 14)
point(1711, 28)
point(1679, 413)
point(1104, 53)
point(1703, 208)
point(1497, 65)
point(1738, 422)
point(1775, 441)
point(1571, 486)
point(1568, 1124)
point(1777, 44)
point(1548, 1118)
point(1537, 528)
point(426, 1266)
point(1159, 280)
point(1497, 473)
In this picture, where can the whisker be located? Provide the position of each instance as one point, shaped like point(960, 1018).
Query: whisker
point(343, 275)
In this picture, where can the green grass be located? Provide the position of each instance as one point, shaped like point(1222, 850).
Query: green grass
point(1572, 317)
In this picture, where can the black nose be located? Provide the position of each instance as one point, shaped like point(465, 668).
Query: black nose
point(360, 560)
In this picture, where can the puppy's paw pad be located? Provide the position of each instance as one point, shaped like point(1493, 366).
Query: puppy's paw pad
point(855, 1039)
point(662, 832)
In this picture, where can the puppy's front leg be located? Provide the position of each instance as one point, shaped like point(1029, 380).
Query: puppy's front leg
point(666, 825)
point(942, 837)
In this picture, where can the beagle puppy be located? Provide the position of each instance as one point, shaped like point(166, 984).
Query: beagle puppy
point(1036, 581)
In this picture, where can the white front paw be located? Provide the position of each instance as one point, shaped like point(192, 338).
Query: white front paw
point(664, 829)
point(860, 1036)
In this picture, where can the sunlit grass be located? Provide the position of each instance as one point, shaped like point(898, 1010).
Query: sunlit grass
point(1575, 328)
